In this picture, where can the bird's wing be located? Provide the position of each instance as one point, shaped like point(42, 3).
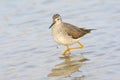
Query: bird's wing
point(74, 31)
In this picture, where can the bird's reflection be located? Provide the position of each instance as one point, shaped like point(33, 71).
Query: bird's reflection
point(68, 66)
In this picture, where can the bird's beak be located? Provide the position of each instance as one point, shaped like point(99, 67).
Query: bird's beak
point(52, 25)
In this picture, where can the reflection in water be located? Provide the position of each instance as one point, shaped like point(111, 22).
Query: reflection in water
point(69, 66)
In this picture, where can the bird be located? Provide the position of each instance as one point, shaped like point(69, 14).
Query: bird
point(67, 34)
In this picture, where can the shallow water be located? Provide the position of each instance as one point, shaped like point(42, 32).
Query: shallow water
point(28, 52)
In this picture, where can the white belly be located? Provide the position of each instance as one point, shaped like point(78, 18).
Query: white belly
point(61, 37)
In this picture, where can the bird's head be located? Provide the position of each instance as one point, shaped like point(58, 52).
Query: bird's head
point(56, 19)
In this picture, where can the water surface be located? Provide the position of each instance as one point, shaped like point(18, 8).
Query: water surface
point(28, 52)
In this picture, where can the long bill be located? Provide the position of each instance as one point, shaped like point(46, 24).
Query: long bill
point(51, 25)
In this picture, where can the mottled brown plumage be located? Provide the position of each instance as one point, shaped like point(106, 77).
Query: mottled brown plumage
point(74, 31)
point(67, 34)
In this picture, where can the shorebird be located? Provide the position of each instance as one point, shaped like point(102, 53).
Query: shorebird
point(67, 34)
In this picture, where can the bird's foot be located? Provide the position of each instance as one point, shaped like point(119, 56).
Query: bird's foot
point(65, 52)
point(81, 46)
point(68, 50)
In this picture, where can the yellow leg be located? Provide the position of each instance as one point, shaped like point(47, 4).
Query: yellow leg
point(68, 49)
point(81, 45)
point(65, 51)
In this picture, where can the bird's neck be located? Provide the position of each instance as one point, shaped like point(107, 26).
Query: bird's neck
point(58, 24)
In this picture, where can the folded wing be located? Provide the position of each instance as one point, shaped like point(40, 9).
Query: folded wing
point(74, 31)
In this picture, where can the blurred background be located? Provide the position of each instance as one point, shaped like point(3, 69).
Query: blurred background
point(27, 49)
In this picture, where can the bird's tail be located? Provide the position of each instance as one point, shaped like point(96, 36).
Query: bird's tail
point(87, 30)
